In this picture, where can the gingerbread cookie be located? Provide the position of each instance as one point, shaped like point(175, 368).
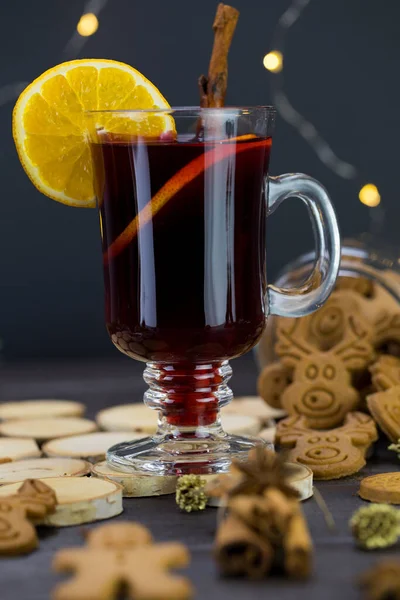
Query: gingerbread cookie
point(382, 488)
point(385, 408)
point(123, 555)
point(385, 372)
point(337, 321)
point(354, 349)
point(32, 501)
point(360, 285)
point(376, 304)
point(321, 390)
point(329, 454)
point(272, 382)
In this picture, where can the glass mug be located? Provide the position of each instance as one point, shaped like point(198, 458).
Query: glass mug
point(183, 226)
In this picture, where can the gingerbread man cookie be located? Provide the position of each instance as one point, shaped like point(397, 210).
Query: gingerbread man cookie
point(123, 556)
point(385, 408)
point(329, 454)
point(33, 501)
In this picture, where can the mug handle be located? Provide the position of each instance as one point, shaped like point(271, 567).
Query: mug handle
point(298, 302)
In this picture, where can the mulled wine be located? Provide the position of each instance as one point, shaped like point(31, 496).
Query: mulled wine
point(190, 286)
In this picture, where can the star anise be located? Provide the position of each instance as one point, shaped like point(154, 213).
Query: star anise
point(263, 469)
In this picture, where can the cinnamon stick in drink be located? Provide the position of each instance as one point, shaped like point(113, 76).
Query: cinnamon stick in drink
point(213, 88)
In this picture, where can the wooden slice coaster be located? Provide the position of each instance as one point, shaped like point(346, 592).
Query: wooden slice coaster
point(299, 476)
point(382, 488)
point(135, 486)
point(128, 417)
point(268, 434)
point(240, 424)
point(254, 406)
point(80, 500)
point(37, 409)
point(46, 429)
point(18, 448)
point(91, 447)
point(42, 468)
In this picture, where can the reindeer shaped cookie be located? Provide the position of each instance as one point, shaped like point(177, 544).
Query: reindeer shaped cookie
point(329, 454)
point(321, 390)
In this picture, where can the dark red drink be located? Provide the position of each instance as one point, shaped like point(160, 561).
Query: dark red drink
point(189, 286)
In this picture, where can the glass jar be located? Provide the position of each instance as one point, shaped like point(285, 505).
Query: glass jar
point(374, 264)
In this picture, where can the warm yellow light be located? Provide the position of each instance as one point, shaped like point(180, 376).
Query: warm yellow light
point(88, 24)
point(273, 61)
point(369, 195)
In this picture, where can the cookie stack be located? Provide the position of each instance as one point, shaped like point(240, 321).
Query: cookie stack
point(337, 376)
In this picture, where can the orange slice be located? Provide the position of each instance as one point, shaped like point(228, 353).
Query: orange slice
point(50, 126)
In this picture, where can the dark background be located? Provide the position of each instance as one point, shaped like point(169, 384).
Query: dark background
point(341, 72)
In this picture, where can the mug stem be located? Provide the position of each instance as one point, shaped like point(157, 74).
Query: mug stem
point(188, 395)
point(190, 437)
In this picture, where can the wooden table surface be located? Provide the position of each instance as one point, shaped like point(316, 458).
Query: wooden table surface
point(107, 382)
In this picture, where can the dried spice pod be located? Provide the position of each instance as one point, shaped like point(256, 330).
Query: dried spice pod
point(376, 526)
point(190, 493)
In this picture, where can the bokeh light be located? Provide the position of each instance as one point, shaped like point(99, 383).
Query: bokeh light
point(369, 195)
point(88, 24)
point(273, 61)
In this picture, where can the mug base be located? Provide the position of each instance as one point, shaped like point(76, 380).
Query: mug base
point(163, 455)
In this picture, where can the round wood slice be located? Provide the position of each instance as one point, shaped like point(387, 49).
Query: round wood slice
point(134, 485)
point(42, 468)
point(240, 424)
point(299, 476)
point(80, 500)
point(18, 448)
point(37, 409)
point(254, 406)
point(268, 434)
point(91, 447)
point(128, 417)
point(46, 429)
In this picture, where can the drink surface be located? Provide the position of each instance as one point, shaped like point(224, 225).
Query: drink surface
point(190, 285)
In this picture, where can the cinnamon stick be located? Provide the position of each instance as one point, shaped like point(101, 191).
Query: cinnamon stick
point(298, 547)
point(213, 87)
point(240, 551)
